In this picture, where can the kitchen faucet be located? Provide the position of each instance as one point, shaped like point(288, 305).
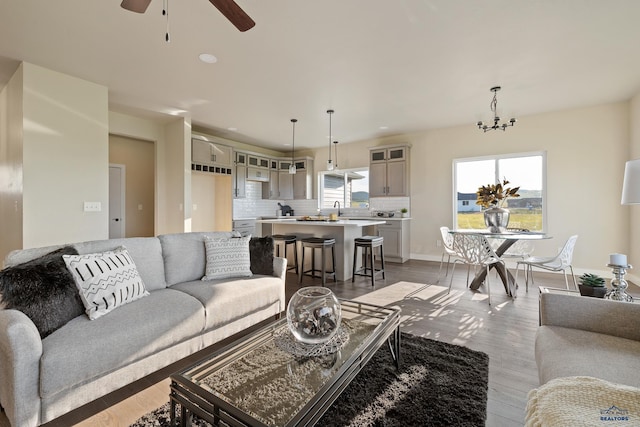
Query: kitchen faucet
point(334, 205)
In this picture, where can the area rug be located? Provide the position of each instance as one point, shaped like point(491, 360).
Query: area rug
point(439, 384)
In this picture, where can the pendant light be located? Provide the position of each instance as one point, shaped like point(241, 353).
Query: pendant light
point(292, 166)
point(335, 145)
point(330, 162)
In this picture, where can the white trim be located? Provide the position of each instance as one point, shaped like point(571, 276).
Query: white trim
point(496, 158)
point(123, 198)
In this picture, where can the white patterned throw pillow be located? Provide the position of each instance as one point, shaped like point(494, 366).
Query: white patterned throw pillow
point(227, 258)
point(106, 280)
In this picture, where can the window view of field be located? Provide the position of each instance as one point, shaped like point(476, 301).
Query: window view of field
point(526, 172)
point(520, 218)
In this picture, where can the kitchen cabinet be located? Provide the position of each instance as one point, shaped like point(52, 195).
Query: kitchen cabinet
point(285, 180)
point(396, 240)
point(303, 179)
point(240, 176)
point(389, 171)
point(207, 153)
point(271, 189)
point(257, 162)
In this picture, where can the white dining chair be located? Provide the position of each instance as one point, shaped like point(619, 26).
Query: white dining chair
point(474, 249)
point(447, 249)
point(559, 262)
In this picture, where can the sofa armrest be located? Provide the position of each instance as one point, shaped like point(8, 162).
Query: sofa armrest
point(20, 352)
point(280, 267)
point(620, 319)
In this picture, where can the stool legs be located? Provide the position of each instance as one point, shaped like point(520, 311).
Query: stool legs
point(323, 266)
point(368, 263)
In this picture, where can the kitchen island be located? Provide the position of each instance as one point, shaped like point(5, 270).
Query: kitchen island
point(343, 230)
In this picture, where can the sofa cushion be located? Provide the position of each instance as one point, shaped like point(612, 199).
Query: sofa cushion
point(564, 352)
point(227, 258)
point(87, 349)
point(43, 289)
point(229, 299)
point(146, 252)
point(184, 255)
point(261, 254)
point(106, 280)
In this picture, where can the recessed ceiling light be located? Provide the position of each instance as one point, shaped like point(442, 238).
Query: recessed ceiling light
point(384, 127)
point(208, 58)
point(232, 129)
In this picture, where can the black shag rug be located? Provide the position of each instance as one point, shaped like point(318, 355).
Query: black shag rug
point(438, 384)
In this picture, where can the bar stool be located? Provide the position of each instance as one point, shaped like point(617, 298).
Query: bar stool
point(286, 240)
point(368, 243)
point(323, 244)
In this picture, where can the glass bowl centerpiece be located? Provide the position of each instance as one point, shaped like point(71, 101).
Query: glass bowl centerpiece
point(313, 315)
point(492, 198)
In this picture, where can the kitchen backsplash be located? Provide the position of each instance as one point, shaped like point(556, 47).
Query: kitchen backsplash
point(254, 205)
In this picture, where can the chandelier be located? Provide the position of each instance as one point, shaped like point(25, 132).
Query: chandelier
point(496, 118)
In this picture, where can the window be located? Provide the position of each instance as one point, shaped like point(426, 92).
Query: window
point(527, 171)
point(349, 187)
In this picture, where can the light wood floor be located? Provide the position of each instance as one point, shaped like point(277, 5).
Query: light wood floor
point(505, 331)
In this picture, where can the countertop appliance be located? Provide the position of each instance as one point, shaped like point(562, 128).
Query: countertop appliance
point(385, 214)
point(286, 209)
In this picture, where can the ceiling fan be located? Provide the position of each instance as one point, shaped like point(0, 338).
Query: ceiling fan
point(228, 8)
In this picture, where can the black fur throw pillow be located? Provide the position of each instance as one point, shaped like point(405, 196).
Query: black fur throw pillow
point(44, 290)
point(261, 254)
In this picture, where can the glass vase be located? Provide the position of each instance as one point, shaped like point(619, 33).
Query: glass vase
point(496, 219)
point(313, 315)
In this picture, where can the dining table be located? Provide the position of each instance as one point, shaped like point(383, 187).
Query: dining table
point(508, 239)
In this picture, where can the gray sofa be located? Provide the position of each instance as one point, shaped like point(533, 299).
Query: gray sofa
point(582, 336)
point(42, 379)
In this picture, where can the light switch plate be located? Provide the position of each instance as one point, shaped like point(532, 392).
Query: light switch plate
point(92, 206)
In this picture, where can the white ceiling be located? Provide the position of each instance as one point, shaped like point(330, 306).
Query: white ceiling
point(410, 65)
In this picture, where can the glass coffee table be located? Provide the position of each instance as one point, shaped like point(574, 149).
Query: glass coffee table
point(255, 381)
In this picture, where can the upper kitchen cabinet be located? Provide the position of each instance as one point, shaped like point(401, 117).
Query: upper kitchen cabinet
point(389, 171)
point(285, 180)
point(271, 189)
point(258, 162)
point(208, 156)
point(240, 176)
point(303, 179)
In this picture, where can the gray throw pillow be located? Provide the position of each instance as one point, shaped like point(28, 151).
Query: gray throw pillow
point(261, 253)
point(227, 258)
point(44, 290)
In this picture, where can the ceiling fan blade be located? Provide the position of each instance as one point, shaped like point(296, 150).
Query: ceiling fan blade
point(234, 13)
point(139, 6)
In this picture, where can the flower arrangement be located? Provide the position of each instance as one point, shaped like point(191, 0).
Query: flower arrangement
point(495, 195)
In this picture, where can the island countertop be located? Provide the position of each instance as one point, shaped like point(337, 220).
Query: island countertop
point(345, 231)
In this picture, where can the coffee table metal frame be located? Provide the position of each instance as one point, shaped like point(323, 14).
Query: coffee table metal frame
point(194, 399)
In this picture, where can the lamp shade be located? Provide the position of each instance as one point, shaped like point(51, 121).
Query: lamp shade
point(631, 183)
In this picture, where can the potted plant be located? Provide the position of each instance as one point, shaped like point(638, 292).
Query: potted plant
point(404, 212)
point(493, 197)
point(592, 285)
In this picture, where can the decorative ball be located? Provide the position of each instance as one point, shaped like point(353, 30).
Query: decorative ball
point(313, 315)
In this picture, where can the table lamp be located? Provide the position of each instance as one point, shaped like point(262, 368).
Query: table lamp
point(630, 196)
point(631, 183)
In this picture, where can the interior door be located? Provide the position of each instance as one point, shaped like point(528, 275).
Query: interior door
point(116, 201)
